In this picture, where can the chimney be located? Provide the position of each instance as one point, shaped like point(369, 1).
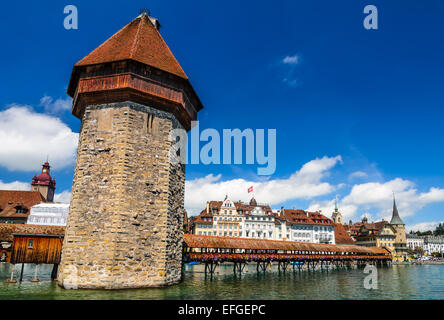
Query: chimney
point(208, 207)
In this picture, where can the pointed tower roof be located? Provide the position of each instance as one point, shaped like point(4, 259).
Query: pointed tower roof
point(139, 40)
point(134, 65)
point(396, 219)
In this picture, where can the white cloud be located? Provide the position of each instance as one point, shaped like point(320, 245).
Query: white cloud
point(305, 183)
point(288, 65)
point(28, 138)
point(293, 60)
point(327, 207)
point(56, 106)
point(377, 197)
point(15, 185)
point(63, 197)
point(358, 174)
point(423, 226)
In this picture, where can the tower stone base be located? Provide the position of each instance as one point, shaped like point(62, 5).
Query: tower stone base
point(125, 222)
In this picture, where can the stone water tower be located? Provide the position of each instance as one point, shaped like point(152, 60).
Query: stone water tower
point(124, 228)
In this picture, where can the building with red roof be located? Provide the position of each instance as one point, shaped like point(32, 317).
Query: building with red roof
point(258, 221)
point(15, 205)
point(44, 183)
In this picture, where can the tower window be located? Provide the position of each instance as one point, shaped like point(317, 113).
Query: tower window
point(149, 123)
point(30, 244)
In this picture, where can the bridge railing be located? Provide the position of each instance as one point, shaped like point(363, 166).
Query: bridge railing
point(254, 257)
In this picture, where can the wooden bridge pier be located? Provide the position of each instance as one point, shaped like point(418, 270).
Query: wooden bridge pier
point(12, 280)
point(284, 265)
point(36, 271)
point(261, 266)
point(210, 267)
point(298, 265)
point(238, 267)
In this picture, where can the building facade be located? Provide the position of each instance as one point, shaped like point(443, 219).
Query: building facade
point(44, 183)
point(304, 226)
point(379, 234)
point(414, 242)
point(433, 244)
point(257, 221)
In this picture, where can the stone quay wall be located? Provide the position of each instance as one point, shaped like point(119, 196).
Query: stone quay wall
point(124, 227)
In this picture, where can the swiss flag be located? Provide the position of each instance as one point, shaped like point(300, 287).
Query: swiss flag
point(250, 189)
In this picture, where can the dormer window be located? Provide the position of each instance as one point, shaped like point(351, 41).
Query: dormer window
point(20, 209)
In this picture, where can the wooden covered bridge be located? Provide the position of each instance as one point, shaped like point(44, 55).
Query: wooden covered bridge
point(43, 245)
point(213, 250)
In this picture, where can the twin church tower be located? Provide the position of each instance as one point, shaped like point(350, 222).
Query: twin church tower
point(125, 223)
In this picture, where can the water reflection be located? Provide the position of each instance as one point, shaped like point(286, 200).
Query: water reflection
point(397, 282)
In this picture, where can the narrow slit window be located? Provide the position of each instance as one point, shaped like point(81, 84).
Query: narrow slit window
point(149, 123)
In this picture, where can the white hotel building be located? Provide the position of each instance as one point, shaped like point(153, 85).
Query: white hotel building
point(257, 221)
point(433, 244)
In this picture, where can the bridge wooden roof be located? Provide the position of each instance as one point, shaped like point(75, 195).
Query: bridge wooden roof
point(198, 241)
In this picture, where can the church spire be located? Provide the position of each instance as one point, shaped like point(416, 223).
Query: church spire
point(337, 216)
point(396, 219)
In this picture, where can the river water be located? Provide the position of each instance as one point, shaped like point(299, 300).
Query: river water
point(396, 282)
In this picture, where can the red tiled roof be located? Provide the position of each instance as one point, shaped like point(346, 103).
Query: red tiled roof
point(341, 235)
point(375, 226)
point(297, 216)
point(7, 229)
point(139, 40)
point(10, 199)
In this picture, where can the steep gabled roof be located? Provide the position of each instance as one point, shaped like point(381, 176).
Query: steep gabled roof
point(298, 216)
point(10, 199)
point(139, 40)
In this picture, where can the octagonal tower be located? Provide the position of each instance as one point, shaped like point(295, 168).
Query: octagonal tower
point(124, 228)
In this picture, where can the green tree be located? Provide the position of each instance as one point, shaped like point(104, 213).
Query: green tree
point(439, 231)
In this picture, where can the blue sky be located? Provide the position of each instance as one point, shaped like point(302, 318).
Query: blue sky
point(366, 101)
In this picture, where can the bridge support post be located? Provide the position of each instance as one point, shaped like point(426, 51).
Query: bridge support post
point(12, 280)
point(261, 266)
point(210, 267)
point(56, 267)
point(21, 272)
point(238, 267)
point(284, 265)
point(36, 279)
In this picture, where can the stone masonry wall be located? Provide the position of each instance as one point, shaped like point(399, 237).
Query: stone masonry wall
point(124, 227)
